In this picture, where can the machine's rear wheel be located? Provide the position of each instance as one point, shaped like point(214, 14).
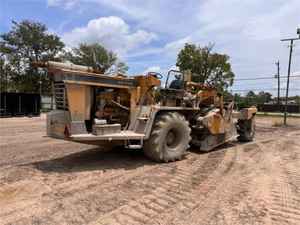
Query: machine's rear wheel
point(169, 138)
point(246, 130)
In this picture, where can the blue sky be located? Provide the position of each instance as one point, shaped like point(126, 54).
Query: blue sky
point(147, 35)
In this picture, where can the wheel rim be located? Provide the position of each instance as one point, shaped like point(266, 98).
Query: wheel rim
point(251, 128)
point(172, 139)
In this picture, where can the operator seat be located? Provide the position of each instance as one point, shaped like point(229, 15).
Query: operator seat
point(176, 84)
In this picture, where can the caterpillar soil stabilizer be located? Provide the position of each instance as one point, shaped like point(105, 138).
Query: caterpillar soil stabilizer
point(136, 112)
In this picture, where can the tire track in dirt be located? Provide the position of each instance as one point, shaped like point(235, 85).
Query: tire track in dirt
point(73, 192)
point(140, 210)
point(284, 205)
point(232, 183)
point(201, 191)
point(86, 198)
point(167, 194)
point(150, 194)
point(229, 183)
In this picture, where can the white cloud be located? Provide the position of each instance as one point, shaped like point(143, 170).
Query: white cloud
point(112, 32)
point(297, 73)
point(168, 16)
point(152, 69)
point(249, 31)
point(162, 71)
point(146, 52)
point(172, 48)
point(67, 4)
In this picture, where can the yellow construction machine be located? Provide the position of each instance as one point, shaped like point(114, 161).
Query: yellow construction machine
point(137, 112)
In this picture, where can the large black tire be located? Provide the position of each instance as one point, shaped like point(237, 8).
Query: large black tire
point(169, 138)
point(246, 130)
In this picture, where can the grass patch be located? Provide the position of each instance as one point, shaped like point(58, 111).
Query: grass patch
point(278, 115)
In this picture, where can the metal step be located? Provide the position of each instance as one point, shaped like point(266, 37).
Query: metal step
point(123, 135)
point(134, 146)
point(143, 118)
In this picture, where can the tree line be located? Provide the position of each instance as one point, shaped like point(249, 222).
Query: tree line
point(29, 41)
point(252, 99)
point(261, 98)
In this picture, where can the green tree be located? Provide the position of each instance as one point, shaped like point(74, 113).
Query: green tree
point(251, 98)
point(96, 56)
point(263, 97)
point(227, 96)
point(26, 42)
point(206, 66)
point(297, 99)
point(4, 78)
point(239, 101)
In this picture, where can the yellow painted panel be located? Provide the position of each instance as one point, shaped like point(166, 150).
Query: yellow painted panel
point(79, 101)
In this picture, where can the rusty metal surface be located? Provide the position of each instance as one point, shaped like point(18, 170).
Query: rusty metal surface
point(245, 114)
point(214, 122)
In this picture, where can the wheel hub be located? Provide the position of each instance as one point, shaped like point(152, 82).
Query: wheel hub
point(170, 138)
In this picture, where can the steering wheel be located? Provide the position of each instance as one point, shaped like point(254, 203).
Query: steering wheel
point(156, 74)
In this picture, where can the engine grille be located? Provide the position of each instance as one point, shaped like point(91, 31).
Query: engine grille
point(61, 100)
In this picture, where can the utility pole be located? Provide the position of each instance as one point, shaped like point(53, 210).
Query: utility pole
point(291, 40)
point(40, 82)
point(278, 86)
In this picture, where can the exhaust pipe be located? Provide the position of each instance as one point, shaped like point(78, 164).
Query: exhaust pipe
point(51, 65)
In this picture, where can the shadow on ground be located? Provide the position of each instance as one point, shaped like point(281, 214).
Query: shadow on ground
point(95, 159)
point(221, 147)
point(99, 159)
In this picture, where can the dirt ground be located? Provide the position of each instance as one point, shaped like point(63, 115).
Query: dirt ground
point(48, 181)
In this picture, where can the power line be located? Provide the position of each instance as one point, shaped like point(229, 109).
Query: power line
point(263, 89)
point(261, 84)
point(291, 40)
point(265, 78)
point(278, 79)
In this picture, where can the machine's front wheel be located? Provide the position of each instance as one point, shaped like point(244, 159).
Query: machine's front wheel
point(246, 129)
point(169, 138)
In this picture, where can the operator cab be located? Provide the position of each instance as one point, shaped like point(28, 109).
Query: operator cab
point(173, 92)
point(175, 80)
